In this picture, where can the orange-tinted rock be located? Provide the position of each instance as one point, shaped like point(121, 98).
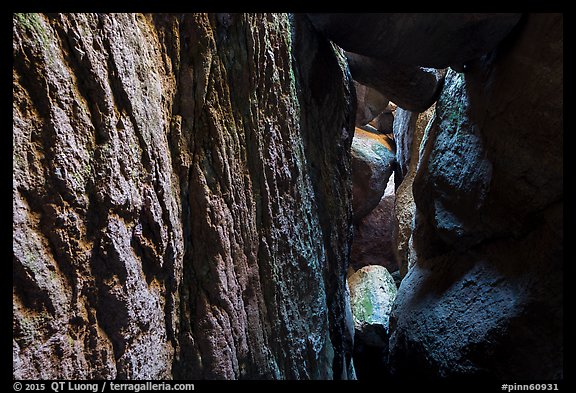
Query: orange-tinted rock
point(372, 165)
point(409, 129)
point(181, 195)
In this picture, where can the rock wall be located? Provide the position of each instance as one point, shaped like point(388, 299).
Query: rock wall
point(409, 128)
point(485, 296)
point(181, 197)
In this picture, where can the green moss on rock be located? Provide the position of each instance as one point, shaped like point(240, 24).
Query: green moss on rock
point(372, 293)
point(33, 23)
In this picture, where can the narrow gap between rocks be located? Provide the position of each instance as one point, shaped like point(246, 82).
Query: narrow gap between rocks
point(192, 199)
point(383, 166)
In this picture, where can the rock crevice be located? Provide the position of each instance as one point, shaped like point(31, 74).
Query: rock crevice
point(187, 187)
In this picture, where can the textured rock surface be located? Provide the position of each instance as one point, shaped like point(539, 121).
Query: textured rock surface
point(405, 127)
point(181, 197)
point(372, 165)
point(373, 242)
point(372, 293)
point(485, 295)
point(97, 238)
point(422, 39)
point(370, 103)
point(410, 87)
point(409, 130)
point(454, 174)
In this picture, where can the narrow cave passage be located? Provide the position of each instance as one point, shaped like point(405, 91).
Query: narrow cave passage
point(272, 196)
point(425, 172)
point(385, 148)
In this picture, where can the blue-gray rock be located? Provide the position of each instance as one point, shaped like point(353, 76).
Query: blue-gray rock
point(453, 163)
point(403, 128)
point(485, 296)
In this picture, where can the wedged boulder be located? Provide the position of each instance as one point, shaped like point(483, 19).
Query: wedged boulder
point(373, 242)
point(410, 87)
point(370, 103)
point(372, 165)
point(437, 40)
point(485, 297)
point(372, 293)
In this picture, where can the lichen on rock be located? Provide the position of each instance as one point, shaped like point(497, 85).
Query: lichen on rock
point(372, 294)
point(173, 190)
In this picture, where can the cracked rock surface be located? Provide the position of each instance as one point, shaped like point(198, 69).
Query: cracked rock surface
point(180, 196)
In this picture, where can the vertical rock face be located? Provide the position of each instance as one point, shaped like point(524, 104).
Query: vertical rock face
point(485, 295)
point(409, 129)
point(454, 174)
point(97, 234)
point(181, 197)
point(403, 128)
